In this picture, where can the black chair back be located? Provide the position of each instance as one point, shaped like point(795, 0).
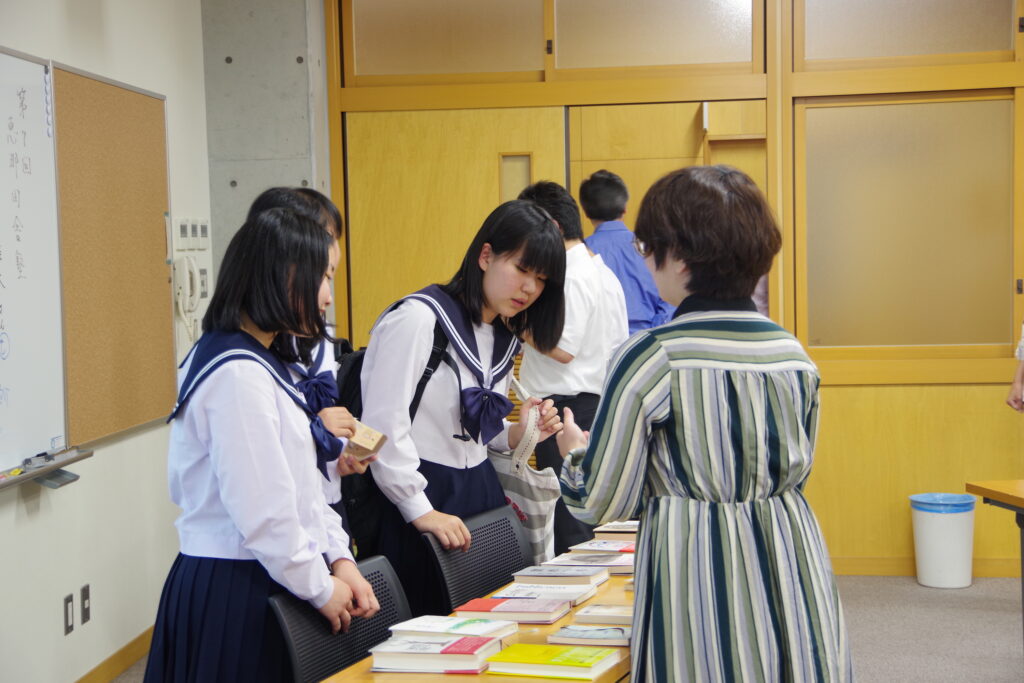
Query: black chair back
point(499, 548)
point(316, 653)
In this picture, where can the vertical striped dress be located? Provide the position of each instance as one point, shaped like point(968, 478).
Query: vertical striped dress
point(706, 430)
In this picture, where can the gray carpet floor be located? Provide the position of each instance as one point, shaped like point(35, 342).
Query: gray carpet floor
point(901, 632)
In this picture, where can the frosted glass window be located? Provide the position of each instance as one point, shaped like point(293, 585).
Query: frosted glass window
point(611, 33)
point(841, 29)
point(515, 175)
point(909, 224)
point(447, 36)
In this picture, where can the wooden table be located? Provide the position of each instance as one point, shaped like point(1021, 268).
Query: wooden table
point(611, 592)
point(1007, 494)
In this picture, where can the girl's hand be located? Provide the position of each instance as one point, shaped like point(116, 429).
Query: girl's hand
point(336, 611)
point(349, 465)
point(571, 435)
point(364, 601)
point(548, 421)
point(338, 421)
point(447, 529)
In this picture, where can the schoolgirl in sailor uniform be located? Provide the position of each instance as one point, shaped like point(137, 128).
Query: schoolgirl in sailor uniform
point(317, 380)
point(242, 468)
point(434, 467)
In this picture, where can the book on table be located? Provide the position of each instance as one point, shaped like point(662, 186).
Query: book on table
point(430, 625)
point(555, 661)
point(434, 654)
point(523, 610)
point(574, 594)
point(605, 614)
point(618, 531)
point(600, 546)
point(591, 634)
point(560, 575)
point(616, 563)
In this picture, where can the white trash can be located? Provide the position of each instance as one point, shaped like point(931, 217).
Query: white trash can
point(943, 538)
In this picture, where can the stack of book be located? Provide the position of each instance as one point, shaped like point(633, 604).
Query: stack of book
point(562, 575)
point(616, 563)
point(555, 661)
point(599, 546)
point(575, 594)
point(594, 635)
point(618, 531)
point(434, 654)
point(430, 625)
point(522, 610)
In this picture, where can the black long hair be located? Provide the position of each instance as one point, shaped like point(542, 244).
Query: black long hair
point(272, 271)
point(514, 226)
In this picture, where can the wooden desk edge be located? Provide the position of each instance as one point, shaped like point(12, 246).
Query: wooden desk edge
point(1009, 491)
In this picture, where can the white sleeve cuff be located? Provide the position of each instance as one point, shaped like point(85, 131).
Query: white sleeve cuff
point(414, 507)
point(321, 598)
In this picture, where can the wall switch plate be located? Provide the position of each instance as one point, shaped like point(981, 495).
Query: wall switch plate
point(182, 237)
point(69, 613)
point(204, 283)
point(204, 234)
point(194, 242)
point(85, 603)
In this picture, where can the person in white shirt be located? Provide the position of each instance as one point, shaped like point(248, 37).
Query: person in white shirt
point(434, 467)
point(241, 467)
point(596, 324)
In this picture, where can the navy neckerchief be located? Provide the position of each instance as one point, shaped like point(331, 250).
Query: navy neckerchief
point(483, 409)
point(320, 390)
point(216, 348)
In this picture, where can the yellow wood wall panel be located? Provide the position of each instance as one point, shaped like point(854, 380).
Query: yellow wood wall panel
point(420, 185)
point(747, 155)
point(743, 117)
point(638, 174)
point(641, 131)
point(879, 445)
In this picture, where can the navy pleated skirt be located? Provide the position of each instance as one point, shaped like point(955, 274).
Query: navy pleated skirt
point(459, 492)
point(214, 623)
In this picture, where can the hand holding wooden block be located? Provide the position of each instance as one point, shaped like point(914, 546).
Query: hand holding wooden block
point(365, 442)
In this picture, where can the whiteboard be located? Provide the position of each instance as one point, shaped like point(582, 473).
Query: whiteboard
point(31, 349)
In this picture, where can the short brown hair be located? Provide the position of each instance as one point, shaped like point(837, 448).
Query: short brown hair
point(716, 221)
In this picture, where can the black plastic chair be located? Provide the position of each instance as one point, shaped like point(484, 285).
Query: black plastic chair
point(499, 548)
point(316, 653)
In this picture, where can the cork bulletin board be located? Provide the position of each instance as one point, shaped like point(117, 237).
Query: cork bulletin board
point(111, 157)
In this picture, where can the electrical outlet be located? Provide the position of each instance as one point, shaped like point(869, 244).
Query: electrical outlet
point(85, 603)
point(69, 613)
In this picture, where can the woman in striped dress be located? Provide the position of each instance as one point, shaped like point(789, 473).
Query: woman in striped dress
point(706, 429)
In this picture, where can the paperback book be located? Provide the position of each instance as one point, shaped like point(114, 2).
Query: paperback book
point(587, 634)
point(618, 531)
point(554, 661)
point(616, 563)
point(523, 610)
point(600, 546)
point(574, 594)
point(434, 654)
point(430, 625)
point(621, 615)
point(560, 575)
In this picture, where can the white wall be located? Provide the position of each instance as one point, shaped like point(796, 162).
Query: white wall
point(113, 529)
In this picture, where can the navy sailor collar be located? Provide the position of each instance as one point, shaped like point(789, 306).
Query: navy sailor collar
point(458, 327)
point(215, 348)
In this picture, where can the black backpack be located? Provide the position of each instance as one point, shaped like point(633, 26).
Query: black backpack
point(362, 498)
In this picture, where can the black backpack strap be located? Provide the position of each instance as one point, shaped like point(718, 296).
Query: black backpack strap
point(437, 354)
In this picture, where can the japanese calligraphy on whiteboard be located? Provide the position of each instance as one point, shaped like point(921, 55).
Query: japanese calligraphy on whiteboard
point(31, 346)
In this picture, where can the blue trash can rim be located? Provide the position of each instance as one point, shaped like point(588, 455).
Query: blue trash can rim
point(942, 503)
